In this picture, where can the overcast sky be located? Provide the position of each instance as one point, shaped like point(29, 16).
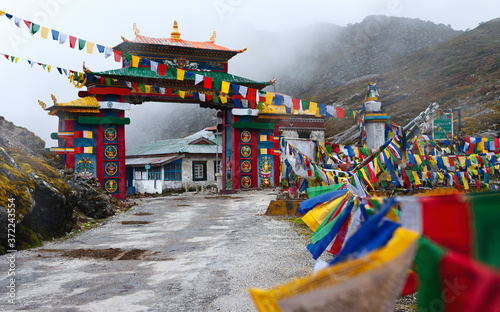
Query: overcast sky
point(104, 22)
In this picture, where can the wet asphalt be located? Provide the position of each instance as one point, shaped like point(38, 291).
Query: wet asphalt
point(198, 253)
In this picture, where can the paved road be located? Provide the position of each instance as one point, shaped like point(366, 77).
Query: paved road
point(198, 253)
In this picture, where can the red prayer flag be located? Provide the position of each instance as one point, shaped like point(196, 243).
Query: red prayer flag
point(446, 221)
point(471, 285)
point(209, 97)
point(28, 23)
point(72, 42)
point(207, 83)
point(340, 112)
point(252, 104)
point(452, 161)
point(251, 95)
point(471, 148)
point(135, 86)
point(162, 69)
point(296, 104)
point(118, 55)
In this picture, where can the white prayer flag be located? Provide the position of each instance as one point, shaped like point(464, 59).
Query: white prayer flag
point(154, 66)
point(288, 101)
point(243, 91)
point(198, 78)
point(202, 97)
point(108, 52)
point(244, 103)
point(17, 21)
point(62, 37)
point(162, 90)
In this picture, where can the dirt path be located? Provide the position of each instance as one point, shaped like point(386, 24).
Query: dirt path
point(184, 253)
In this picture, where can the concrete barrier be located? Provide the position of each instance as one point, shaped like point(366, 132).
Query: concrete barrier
point(284, 207)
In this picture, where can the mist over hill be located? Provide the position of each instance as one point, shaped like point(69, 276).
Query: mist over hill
point(412, 61)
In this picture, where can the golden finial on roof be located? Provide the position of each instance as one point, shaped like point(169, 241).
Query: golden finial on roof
point(136, 30)
point(124, 39)
point(213, 37)
point(54, 99)
point(175, 34)
point(42, 104)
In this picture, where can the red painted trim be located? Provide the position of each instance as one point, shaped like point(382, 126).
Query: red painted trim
point(99, 153)
point(122, 178)
point(235, 166)
point(255, 162)
point(109, 90)
point(276, 157)
point(223, 162)
point(70, 161)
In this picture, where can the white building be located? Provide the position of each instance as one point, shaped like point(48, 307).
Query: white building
point(175, 163)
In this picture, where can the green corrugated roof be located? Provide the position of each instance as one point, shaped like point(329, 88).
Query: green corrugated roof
point(146, 72)
point(174, 146)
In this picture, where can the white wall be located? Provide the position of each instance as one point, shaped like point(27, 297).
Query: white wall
point(187, 171)
point(149, 186)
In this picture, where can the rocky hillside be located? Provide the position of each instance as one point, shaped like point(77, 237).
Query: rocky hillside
point(461, 72)
point(366, 48)
point(48, 199)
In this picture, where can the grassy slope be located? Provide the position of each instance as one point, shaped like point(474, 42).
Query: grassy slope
point(464, 71)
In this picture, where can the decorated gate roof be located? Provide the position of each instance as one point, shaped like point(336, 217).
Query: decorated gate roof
point(146, 72)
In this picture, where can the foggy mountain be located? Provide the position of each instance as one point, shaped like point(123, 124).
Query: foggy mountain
point(305, 61)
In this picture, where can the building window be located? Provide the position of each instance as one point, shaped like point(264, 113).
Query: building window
point(140, 173)
point(217, 168)
point(304, 134)
point(199, 170)
point(154, 173)
point(173, 171)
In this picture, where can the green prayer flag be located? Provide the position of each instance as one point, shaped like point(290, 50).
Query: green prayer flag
point(365, 151)
point(410, 175)
point(305, 105)
point(128, 57)
point(142, 87)
point(486, 217)
point(328, 148)
point(317, 175)
point(215, 99)
point(108, 81)
point(217, 84)
point(322, 189)
point(81, 43)
point(427, 261)
point(34, 28)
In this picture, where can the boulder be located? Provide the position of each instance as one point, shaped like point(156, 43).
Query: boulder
point(88, 198)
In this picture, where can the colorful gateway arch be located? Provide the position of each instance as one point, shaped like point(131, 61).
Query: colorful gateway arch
point(91, 137)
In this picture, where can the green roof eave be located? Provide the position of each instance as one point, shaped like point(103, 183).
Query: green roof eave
point(146, 72)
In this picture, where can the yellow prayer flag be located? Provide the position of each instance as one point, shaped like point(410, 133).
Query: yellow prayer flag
point(466, 183)
point(223, 99)
point(135, 61)
point(44, 32)
point(147, 88)
point(48, 68)
point(182, 94)
point(90, 47)
point(180, 74)
point(224, 88)
point(313, 108)
point(17, 59)
point(417, 159)
point(269, 97)
point(415, 175)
